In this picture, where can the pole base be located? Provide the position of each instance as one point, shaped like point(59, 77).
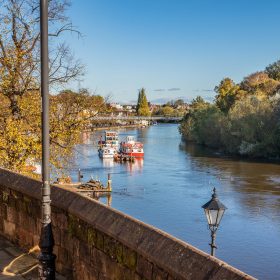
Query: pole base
point(47, 266)
point(46, 257)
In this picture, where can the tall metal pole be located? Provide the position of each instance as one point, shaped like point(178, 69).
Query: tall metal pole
point(213, 245)
point(46, 257)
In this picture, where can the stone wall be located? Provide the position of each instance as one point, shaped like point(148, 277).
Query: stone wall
point(94, 241)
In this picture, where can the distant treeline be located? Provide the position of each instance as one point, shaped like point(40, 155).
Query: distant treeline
point(244, 118)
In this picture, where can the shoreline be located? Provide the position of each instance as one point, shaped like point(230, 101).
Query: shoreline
point(117, 127)
point(214, 152)
point(125, 126)
point(130, 126)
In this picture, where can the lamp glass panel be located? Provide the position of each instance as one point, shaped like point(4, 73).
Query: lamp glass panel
point(213, 217)
point(220, 215)
point(207, 214)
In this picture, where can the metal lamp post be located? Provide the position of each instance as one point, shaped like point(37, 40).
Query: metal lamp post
point(46, 257)
point(214, 211)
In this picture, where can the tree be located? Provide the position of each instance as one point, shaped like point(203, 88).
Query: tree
point(245, 119)
point(273, 70)
point(259, 83)
point(198, 102)
point(20, 53)
point(20, 100)
point(20, 139)
point(167, 111)
point(179, 102)
point(71, 112)
point(142, 107)
point(226, 94)
point(253, 128)
point(203, 125)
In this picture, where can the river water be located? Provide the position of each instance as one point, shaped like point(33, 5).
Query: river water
point(168, 187)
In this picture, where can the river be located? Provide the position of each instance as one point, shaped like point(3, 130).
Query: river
point(168, 187)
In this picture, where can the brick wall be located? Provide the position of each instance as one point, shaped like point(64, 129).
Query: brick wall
point(94, 241)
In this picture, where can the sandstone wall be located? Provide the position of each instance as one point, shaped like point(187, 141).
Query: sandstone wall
point(94, 241)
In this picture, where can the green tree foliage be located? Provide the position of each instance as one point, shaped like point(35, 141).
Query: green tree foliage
point(203, 125)
point(198, 102)
point(273, 70)
point(253, 128)
point(142, 107)
point(172, 108)
point(166, 111)
point(244, 120)
point(175, 103)
point(179, 102)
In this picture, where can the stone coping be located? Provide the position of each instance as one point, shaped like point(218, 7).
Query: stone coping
point(171, 254)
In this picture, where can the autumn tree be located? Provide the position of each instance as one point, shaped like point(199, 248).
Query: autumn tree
point(167, 111)
point(20, 138)
point(244, 120)
point(20, 100)
point(198, 102)
point(70, 113)
point(20, 48)
point(273, 70)
point(260, 84)
point(179, 102)
point(226, 94)
point(142, 107)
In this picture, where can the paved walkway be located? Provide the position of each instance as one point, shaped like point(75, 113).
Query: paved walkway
point(16, 264)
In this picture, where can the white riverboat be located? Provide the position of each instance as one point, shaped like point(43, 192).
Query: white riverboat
point(107, 152)
point(111, 139)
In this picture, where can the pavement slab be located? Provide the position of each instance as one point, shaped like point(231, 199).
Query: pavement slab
point(16, 264)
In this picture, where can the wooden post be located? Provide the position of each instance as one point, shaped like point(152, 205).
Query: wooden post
point(109, 182)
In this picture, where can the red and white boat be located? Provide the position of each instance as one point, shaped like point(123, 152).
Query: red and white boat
point(131, 147)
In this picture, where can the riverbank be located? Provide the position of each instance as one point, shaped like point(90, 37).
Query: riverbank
point(117, 127)
point(219, 152)
point(249, 129)
point(138, 125)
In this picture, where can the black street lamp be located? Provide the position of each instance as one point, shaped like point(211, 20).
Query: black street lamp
point(214, 211)
point(46, 257)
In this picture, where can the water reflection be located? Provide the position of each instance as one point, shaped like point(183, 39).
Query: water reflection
point(142, 134)
point(104, 197)
point(135, 166)
point(258, 182)
point(131, 167)
point(108, 162)
point(86, 137)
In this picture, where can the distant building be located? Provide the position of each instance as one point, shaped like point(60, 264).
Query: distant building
point(153, 107)
point(120, 113)
point(116, 106)
point(184, 106)
point(127, 107)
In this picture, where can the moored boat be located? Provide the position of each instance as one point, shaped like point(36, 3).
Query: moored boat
point(132, 148)
point(111, 139)
point(107, 152)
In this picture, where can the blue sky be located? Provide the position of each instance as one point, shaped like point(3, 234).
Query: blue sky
point(173, 48)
